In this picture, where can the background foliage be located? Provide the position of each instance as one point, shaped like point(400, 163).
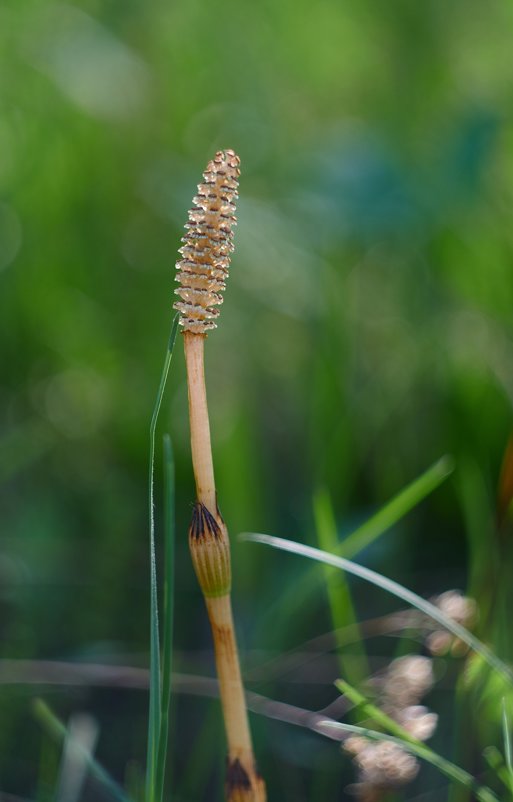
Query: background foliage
point(367, 330)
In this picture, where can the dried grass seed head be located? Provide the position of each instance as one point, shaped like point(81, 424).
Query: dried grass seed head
point(459, 608)
point(407, 680)
point(385, 765)
point(207, 245)
point(418, 721)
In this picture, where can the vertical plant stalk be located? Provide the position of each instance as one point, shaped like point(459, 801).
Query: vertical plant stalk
point(201, 275)
point(201, 448)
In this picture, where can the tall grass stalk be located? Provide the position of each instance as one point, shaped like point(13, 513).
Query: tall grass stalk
point(168, 616)
point(339, 592)
point(506, 730)
point(156, 754)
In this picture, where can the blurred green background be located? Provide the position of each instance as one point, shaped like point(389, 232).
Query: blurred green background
point(366, 331)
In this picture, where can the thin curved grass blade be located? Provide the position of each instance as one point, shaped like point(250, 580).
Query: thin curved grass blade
point(168, 616)
point(506, 731)
point(392, 587)
point(372, 529)
point(154, 719)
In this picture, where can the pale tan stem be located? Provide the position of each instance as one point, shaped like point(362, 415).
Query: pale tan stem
point(200, 427)
point(201, 273)
point(210, 551)
point(230, 680)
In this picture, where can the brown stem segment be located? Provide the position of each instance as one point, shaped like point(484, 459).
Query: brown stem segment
point(230, 682)
point(210, 552)
point(242, 779)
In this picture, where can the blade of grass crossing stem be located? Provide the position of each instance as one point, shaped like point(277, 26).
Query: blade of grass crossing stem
point(167, 618)
point(339, 593)
point(366, 534)
point(391, 587)
point(59, 732)
point(409, 744)
point(154, 719)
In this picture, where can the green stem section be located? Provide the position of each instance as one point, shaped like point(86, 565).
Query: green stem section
point(168, 617)
point(339, 593)
point(210, 553)
point(154, 722)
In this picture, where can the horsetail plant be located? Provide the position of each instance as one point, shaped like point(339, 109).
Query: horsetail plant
point(201, 274)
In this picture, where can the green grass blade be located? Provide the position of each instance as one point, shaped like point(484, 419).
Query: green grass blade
point(339, 594)
point(59, 732)
point(366, 534)
point(48, 770)
point(373, 712)
point(423, 752)
point(496, 762)
point(154, 720)
point(506, 730)
point(391, 587)
point(167, 619)
point(408, 498)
